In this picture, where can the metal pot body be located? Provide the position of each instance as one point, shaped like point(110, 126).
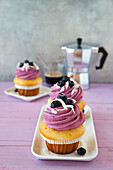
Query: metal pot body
point(78, 61)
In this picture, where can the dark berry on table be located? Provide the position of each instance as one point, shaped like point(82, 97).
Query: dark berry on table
point(69, 102)
point(65, 79)
point(26, 61)
point(31, 64)
point(62, 96)
point(71, 83)
point(60, 83)
point(83, 110)
point(55, 104)
point(15, 90)
point(21, 65)
point(81, 151)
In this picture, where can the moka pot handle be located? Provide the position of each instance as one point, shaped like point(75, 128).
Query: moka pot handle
point(103, 58)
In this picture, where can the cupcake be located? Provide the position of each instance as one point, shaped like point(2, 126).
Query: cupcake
point(70, 88)
point(27, 80)
point(62, 125)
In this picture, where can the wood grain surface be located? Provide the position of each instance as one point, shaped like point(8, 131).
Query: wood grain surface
point(17, 125)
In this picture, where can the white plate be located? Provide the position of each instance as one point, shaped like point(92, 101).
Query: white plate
point(42, 92)
point(88, 141)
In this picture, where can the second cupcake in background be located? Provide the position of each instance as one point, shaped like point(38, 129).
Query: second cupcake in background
point(70, 88)
point(27, 80)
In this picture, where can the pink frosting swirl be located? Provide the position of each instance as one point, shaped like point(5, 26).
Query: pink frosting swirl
point(70, 92)
point(64, 119)
point(30, 73)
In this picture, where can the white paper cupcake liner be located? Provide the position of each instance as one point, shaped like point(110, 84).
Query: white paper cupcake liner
point(27, 87)
point(60, 141)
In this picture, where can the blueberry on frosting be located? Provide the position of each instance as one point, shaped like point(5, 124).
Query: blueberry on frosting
point(31, 64)
point(26, 61)
point(69, 102)
point(55, 104)
point(62, 96)
point(59, 101)
point(60, 83)
point(71, 83)
point(65, 79)
point(21, 65)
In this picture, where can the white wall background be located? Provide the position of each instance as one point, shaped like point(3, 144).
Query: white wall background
point(32, 27)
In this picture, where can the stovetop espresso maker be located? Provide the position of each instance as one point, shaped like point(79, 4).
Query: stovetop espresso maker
point(78, 60)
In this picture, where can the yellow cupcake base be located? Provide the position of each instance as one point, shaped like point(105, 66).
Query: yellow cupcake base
point(29, 82)
point(52, 134)
point(65, 138)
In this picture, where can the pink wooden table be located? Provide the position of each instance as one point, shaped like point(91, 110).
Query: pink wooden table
point(17, 124)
